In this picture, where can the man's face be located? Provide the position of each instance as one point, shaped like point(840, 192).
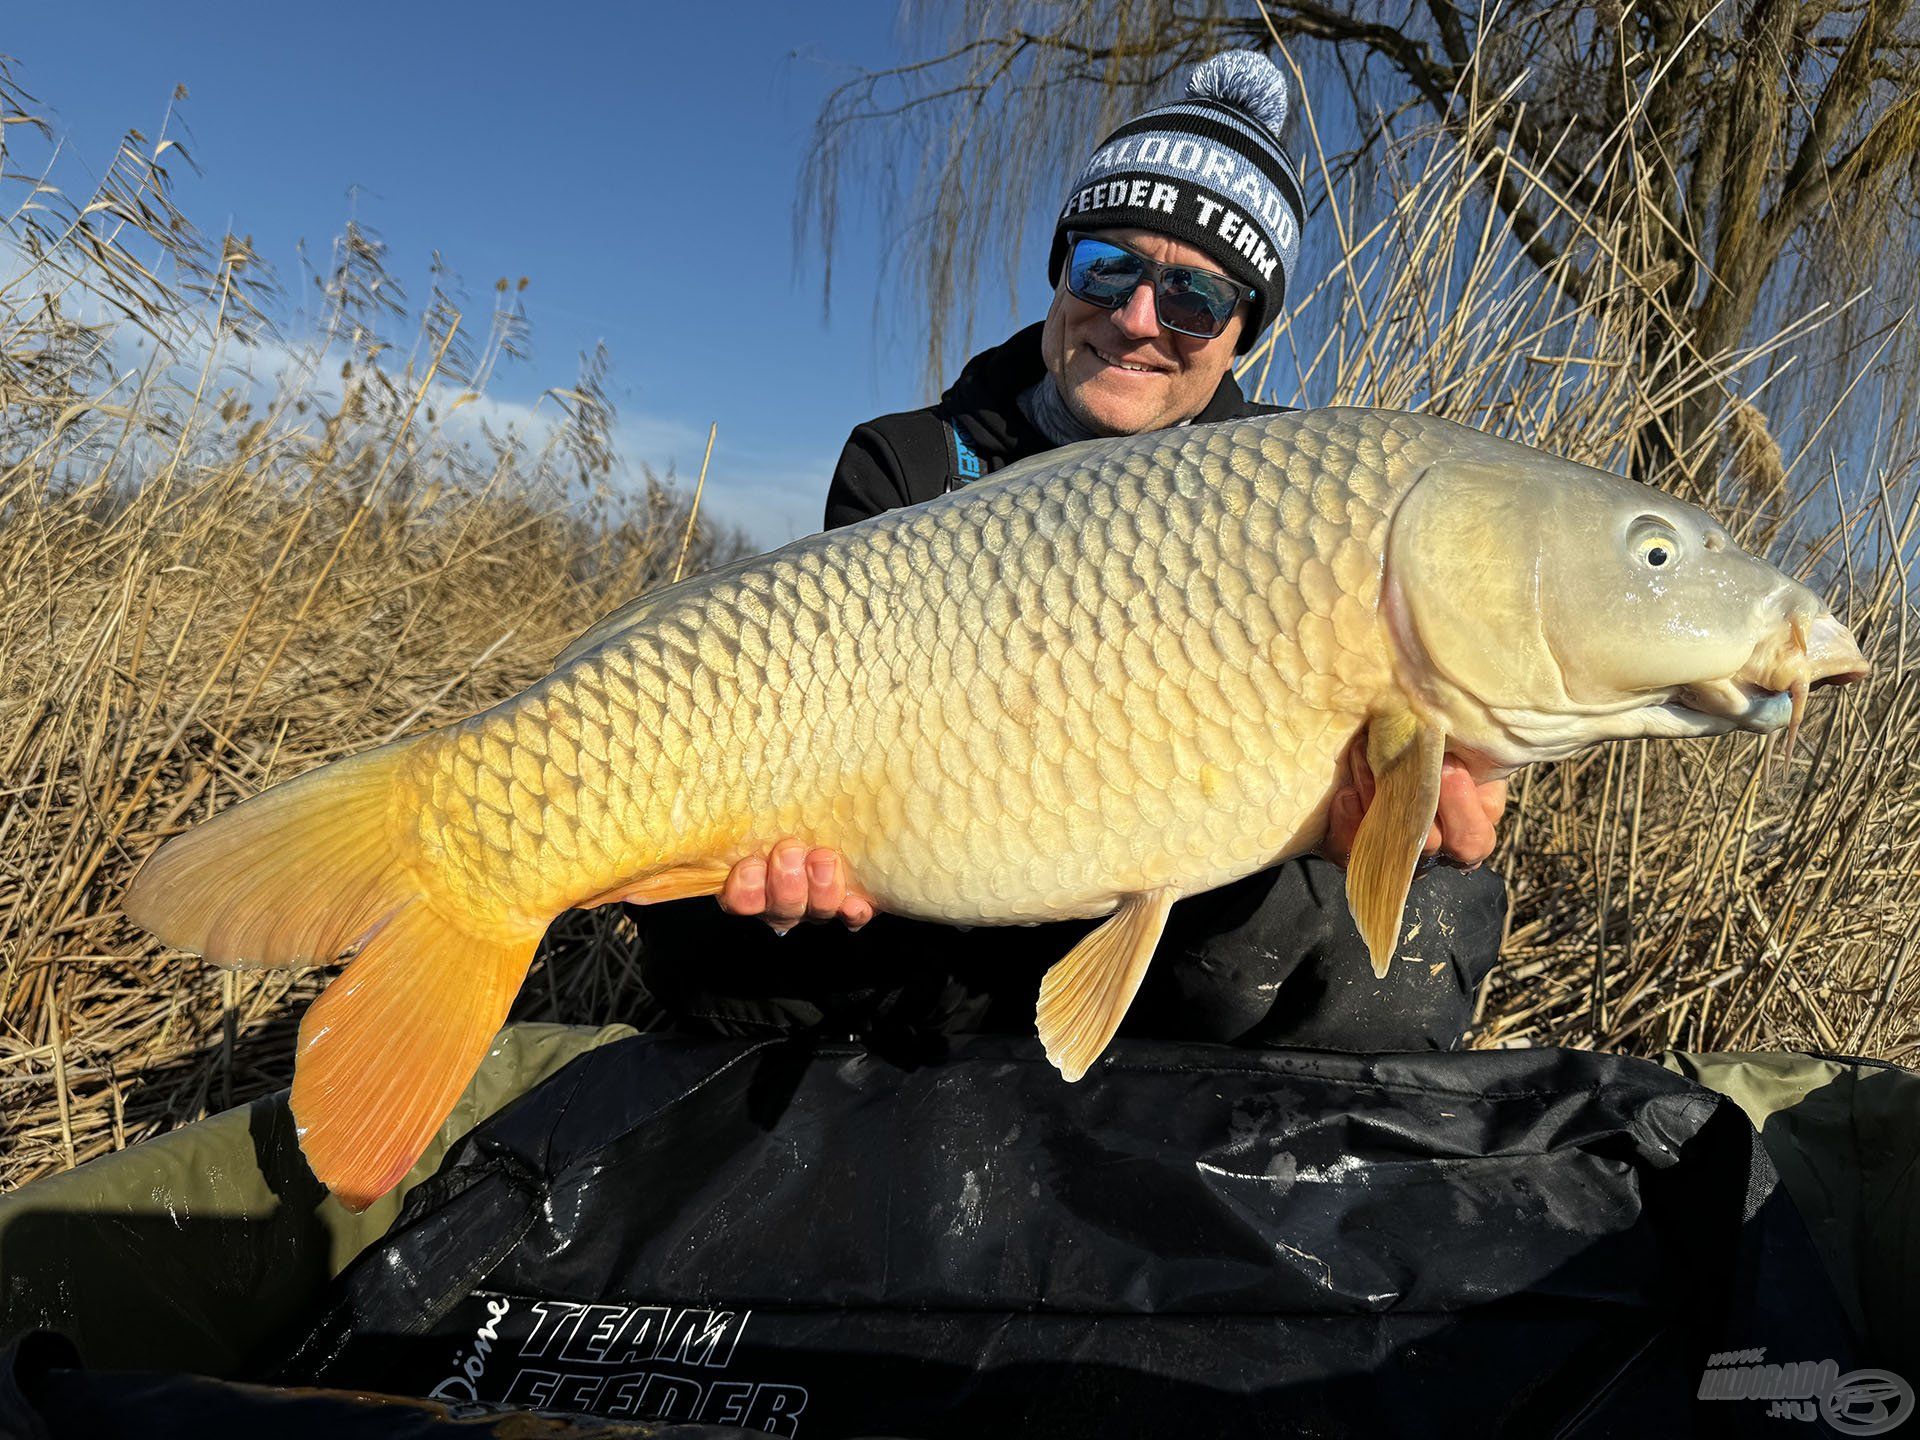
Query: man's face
point(1119, 370)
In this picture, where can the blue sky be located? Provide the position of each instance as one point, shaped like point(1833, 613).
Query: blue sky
point(637, 161)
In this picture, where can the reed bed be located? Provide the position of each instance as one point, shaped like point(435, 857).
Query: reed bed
point(225, 558)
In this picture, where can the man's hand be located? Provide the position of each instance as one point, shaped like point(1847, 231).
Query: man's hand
point(793, 884)
point(1462, 831)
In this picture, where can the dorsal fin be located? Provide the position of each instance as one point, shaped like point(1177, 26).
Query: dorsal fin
point(638, 608)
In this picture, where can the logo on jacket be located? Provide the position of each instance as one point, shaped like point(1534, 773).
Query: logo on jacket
point(967, 465)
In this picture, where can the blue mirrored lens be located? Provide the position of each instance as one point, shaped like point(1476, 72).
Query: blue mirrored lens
point(1191, 302)
point(1197, 303)
point(1103, 274)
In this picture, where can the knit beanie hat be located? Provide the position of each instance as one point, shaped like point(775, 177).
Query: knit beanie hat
point(1207, 169)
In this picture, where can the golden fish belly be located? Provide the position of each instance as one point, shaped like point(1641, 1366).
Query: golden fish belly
point(1109, 670)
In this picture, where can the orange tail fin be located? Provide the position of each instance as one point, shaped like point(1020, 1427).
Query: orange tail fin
point(297, 875)
point(304, 874)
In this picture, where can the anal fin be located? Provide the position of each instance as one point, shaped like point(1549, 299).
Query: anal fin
point(388, 1047)
point(681, 882)
point(1085, 995)
point(1405, 754)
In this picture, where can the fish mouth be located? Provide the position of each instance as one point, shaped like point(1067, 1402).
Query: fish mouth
point(1769, 694)
point(1725, 705)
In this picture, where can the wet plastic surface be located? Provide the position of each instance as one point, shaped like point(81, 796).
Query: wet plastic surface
point(187, 1251)
point(810, 1240)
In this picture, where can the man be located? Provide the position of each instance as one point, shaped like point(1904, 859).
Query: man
point(1170, 257)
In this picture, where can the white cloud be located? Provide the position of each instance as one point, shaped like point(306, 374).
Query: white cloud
point(771, 497)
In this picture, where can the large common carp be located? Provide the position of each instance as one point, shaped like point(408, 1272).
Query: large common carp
point(1115, 675)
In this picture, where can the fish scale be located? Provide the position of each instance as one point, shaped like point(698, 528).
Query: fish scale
point(1013, 704)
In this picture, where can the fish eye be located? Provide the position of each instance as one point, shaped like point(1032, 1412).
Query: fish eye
point(1656, 546)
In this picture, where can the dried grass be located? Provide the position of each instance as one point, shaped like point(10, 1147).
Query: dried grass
point(209, 583)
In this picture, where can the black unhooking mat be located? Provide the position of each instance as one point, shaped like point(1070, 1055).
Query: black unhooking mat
point(809, 1240)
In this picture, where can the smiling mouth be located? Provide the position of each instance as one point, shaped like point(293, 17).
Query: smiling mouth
point(1129, 366)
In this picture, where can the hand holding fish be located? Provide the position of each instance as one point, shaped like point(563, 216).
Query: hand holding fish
point(792, 883)
point(1463, 828)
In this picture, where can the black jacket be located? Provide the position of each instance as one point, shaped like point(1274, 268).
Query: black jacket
point(909, 457)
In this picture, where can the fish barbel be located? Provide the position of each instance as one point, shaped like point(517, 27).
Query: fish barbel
point(1114, 675)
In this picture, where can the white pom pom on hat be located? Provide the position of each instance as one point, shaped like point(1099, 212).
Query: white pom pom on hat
point(1209, 169)
point(1246, 80)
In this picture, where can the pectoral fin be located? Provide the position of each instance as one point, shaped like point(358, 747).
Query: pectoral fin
point(1405, 754)
point(1084, 996)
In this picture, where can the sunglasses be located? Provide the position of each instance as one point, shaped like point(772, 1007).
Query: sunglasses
point(1187, 301)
